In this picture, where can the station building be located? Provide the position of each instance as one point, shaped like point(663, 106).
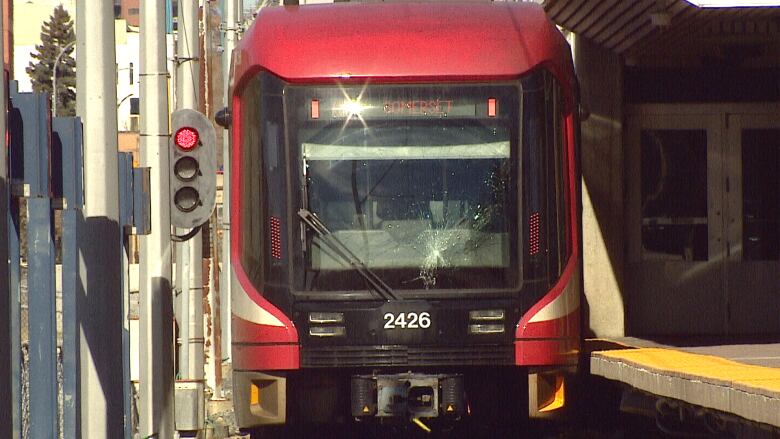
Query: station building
point(681, 165)
point(681, 204)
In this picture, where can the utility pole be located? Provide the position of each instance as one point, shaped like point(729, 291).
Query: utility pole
point(192, 374)
point(100, 312)
point(211, 363)
point(156, 302)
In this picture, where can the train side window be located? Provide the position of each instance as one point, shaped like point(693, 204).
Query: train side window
point(275, 189)
point(557, 221)
point(550, 157)
point(674, 194)
point(545, 169)
point(251, 213)
point(554, 187)
point(562, 198)
point(760, 203)
point(535, 132)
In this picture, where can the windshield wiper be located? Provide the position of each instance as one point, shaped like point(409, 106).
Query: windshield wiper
point(346, 254)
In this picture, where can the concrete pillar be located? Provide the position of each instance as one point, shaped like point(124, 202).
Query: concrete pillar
point(601, 81)
point(100, 310)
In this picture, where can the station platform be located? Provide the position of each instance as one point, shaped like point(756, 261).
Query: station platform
point(737, 378)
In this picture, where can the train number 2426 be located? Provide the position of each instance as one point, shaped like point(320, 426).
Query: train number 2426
point(407, 320)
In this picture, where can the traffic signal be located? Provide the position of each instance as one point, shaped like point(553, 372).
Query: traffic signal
point(193, 168)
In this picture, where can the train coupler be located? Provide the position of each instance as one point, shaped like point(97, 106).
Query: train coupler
point(408, 395)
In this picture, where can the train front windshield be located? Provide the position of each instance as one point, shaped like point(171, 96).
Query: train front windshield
point(417, 182)
point(430, 187)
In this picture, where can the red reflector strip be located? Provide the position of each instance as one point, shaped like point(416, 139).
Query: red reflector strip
point(492, 107)
point(276, 238)
point(533, 239)
point(315, 109)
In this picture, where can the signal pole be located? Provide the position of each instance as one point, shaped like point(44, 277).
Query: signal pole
point(187, 77)
point(156, 302)
point(100, 310)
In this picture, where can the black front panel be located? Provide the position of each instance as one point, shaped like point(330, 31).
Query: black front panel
point(408, 333)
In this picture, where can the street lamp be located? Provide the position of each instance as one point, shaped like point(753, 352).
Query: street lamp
point(54, 78)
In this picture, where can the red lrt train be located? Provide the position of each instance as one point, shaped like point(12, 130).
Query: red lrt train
point(404, 212)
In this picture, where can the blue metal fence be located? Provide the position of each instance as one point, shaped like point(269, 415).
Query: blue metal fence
point(46, 170)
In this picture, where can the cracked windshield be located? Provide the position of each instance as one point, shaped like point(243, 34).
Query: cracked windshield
point(416, 181)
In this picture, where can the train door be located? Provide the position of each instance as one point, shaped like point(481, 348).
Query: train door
point(703, 208)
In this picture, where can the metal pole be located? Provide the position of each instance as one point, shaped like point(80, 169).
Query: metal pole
point(10, 419)
point(214, 368)
point(210, 371)
point(125, 220)
point(100, 310)
point(184, 312)
point(156, 303)
point(54, 78)
point(187, 78)
point(231, 36)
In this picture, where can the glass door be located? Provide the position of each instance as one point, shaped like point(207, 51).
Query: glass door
point(753, 223)
point(675, 211)
point(703, 206)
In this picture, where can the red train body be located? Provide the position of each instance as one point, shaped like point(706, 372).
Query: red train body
point(436, 146)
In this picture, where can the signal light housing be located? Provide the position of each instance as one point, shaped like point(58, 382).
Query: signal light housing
point(193, 168)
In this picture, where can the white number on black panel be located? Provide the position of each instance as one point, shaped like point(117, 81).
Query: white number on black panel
point(407, 320)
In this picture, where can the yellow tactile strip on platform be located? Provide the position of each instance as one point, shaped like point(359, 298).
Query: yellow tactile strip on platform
point(696, 366)
point(747, 390)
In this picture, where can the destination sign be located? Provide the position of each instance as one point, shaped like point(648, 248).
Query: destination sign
point(392, 108)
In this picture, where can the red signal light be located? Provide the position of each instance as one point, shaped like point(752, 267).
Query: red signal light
point(186, 138)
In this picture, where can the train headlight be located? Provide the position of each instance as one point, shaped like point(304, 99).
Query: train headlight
point(486, 315)
point(327, 331)
point(486, 329)
point(486, 321)
point(326, 317)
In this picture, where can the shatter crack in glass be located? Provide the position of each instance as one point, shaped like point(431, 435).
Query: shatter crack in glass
point(457, 243)
point(436, 245)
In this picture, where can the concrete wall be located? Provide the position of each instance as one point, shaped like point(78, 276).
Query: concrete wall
point(601, 82)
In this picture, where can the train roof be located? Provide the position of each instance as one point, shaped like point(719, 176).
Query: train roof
point(402, 41)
